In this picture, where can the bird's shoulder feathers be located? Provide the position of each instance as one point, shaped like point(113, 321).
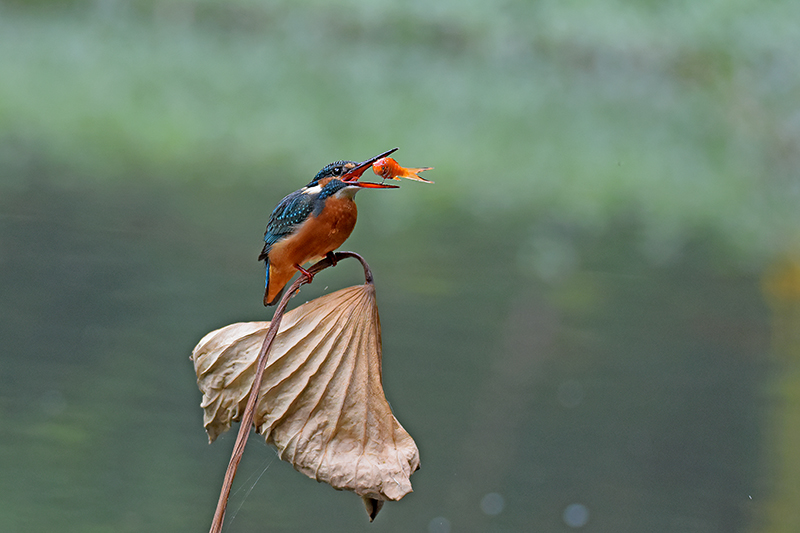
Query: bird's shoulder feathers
point(292, 211)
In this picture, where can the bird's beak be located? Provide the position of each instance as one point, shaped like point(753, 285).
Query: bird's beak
point(354, 173)
point(368, 185)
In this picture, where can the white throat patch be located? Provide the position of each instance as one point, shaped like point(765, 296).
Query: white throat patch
point(347, 192)
point(316, 189)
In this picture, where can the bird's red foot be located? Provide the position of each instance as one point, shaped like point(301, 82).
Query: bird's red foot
point(309, 276)
point(332, 257)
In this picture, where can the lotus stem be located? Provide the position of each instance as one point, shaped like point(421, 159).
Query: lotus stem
point(261, 364)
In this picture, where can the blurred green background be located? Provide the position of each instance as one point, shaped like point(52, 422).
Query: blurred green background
point(591, 321)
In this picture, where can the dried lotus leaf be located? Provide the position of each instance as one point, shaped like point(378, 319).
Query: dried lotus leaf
point(321, 402)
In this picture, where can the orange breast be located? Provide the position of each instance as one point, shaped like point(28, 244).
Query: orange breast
point(316, 237)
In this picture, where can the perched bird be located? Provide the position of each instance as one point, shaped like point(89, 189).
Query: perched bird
point(312, 222)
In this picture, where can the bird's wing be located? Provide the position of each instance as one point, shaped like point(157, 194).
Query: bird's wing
point(290, 213)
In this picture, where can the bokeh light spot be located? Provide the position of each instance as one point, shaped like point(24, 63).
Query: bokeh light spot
point(439, 524)
point(576, 515)
point(493, 504)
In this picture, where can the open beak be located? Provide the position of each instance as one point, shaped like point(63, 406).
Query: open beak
point(368, 185)
point(354, 173)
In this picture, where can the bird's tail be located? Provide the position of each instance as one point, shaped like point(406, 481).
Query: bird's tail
point(274, 300)
point(277, 298)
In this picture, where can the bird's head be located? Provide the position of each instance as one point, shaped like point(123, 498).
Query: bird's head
point(349, 172)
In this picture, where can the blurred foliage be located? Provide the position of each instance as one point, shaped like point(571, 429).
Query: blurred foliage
point(681, 113)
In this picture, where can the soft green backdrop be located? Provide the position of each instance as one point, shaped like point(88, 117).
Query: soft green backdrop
point(590, 320)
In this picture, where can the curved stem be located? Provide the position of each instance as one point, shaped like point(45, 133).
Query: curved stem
point(261, 365)
point(367, 271)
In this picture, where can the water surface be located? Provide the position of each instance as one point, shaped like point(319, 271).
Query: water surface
point(553, 377)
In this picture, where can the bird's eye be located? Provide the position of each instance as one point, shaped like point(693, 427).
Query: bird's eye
point(337, 171)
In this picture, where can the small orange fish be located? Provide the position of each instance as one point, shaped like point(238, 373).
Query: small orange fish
point(389, 169)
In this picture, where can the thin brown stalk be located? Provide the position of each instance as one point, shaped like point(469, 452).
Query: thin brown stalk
point(261, 365)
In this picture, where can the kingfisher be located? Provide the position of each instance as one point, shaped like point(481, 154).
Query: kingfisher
point(310, 223)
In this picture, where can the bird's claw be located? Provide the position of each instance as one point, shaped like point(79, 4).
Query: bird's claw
point(309, 276)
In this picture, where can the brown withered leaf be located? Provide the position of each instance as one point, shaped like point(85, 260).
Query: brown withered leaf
point(321, 402)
